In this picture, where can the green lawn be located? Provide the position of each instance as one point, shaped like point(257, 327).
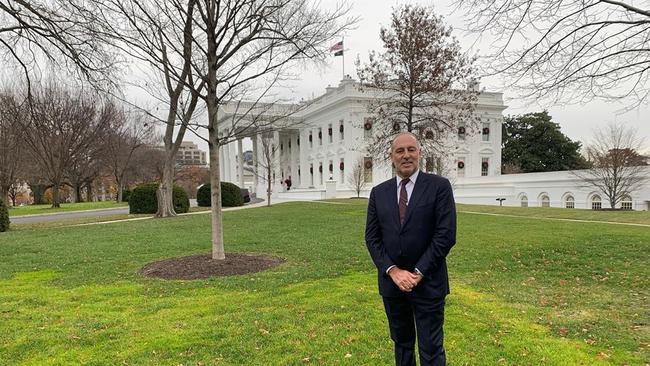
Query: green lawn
point(638, 217)
point(65, 207)
point(524, 292)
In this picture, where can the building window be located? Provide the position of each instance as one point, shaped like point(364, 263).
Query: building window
point(367, 169)
point(485, 165)
point(320, 136)
point(461, 131)
point(330, 134)
point(341, 129)
point(546, 202)
point(461, 167)
point(626, 203)
point(524, 201)
point(311, 139)
point(569, 202)
point(367, 127)
point(342, 170)
point(485, 132)
point(596, 203)
point(311, 174)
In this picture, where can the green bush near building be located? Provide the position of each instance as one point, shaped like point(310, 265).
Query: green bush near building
point(230, 195)
point(143, 199)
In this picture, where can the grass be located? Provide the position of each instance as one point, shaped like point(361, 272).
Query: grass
point(65, 207)
point(637, 217)
point(524, 292)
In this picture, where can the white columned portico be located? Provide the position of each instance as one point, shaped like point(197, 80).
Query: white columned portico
point(240, 163)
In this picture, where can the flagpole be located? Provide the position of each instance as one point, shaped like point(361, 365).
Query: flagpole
point(343, 58)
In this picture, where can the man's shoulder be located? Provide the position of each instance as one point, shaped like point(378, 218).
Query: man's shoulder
point(433, 177)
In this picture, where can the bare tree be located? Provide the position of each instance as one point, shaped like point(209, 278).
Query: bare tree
point(12, 151)
point(247, 49)
point(356, 176)
point(127, 134)
point(617, 170)
point(62, 125)
point(267, 163)
point(161, 35)
point(576, 51)
point(419, 80)
point(62, 32)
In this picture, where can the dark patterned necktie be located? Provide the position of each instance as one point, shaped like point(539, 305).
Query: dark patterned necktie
point(403, 200)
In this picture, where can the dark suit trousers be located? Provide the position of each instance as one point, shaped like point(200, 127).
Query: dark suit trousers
point(405, 315)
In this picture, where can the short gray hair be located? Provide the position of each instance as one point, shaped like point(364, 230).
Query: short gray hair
point(392, 142)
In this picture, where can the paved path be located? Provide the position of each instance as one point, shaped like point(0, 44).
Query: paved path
point(33, 219)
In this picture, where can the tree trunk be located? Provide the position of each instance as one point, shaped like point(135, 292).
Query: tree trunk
point(89, 193)
point(37, 192)
point(76, 193)
point(120, 192)
point(4, 194)
point(56, 202)
point(165, 191)
point(218, 251)
point(268, 188)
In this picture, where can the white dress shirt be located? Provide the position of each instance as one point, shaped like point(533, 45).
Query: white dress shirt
point(409, 185)
point(409, 189)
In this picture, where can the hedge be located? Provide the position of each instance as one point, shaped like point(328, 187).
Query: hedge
point(4, 216)
point(143, 199)
point(230, 195)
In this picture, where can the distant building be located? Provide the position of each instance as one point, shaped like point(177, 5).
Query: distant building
point(324, 140)
point(190, 154)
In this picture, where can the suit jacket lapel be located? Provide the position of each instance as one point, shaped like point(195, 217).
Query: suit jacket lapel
point(421, 185)
point(393, 204)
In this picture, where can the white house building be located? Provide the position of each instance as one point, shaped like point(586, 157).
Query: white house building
point(323, 139)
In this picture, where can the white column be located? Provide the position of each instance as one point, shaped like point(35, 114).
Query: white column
point(277, 182)
point(293, 160)
point(304, 164)
point(240, 162)
point(256, 171)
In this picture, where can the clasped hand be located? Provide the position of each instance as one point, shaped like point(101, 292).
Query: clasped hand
point(404, 279)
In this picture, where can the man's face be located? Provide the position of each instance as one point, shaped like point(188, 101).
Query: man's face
point(405, 155)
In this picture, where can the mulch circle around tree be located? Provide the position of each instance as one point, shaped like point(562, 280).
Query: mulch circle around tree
point(202, 266)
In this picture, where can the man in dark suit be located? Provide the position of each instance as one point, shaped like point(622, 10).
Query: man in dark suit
point(410, 229)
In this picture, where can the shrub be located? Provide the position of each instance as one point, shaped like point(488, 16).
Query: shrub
point(143, 199)
point(4, 216)
point(126, 193)
point(230, 195)
point(203, 196)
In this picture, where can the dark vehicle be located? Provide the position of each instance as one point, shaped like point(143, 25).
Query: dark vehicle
point(245, 195)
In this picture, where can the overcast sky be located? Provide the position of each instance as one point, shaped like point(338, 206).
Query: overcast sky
point(577, 120)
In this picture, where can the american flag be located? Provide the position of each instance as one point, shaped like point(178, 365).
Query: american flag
point(337, 47)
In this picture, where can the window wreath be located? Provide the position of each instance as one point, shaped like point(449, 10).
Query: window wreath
point(428, 135)
point(367, 126)
point(331, 167)
point(320, 135)
point(486, 130)
point(329, 131)
point(461, 130)
point(461, 165)
point(341, 166)
point(320, 168)
point(341, 128)
point(485, 165)
point(396, 126)
point(368, 164)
